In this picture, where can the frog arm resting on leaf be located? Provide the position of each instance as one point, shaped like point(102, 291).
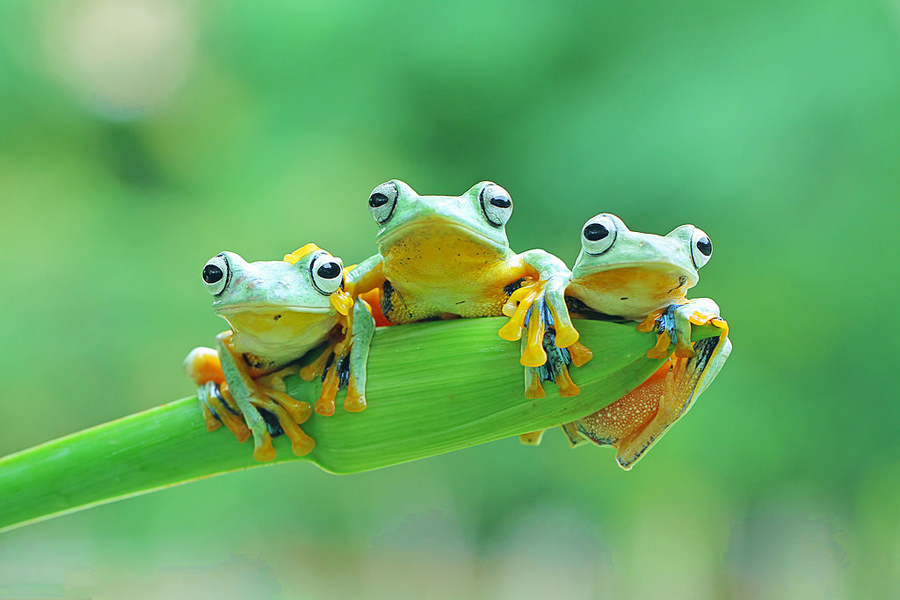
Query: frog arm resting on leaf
point(629, 275)
point(448, 256)
point(278, 311)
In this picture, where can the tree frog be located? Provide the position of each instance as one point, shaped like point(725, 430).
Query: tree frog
point(278, 311)
point(448, 256)
point(626, 275)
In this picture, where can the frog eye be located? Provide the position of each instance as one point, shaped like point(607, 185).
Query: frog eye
point(496, 204)
point(216, 274)
point(701, 247)
point(382, 201)
point(327, 273)
point(598, 234)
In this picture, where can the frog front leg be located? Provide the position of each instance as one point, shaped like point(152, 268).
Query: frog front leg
point(635, 422)
point(548, 279)
point(343, 363)
point(249, 398)
point(362, 334)
point(673, 325)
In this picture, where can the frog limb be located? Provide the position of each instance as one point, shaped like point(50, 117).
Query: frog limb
point(246, 395)
point(555, 274)
point(204, 368)
point(364, 277)
point(639, 419)
point(673, 325)
point(362, 333)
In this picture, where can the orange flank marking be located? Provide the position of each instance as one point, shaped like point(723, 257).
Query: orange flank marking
point(372, 298)
point(203, 366)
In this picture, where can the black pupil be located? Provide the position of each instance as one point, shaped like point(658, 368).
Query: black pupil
point(704, 245)
point(377, 199)
point(501, 201)
point(329, 270)
point(212, 274)
point(595, 232)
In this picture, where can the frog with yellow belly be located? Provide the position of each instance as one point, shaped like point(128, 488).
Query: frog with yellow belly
point(278, 311)
point(631, 276)
point(448, 256)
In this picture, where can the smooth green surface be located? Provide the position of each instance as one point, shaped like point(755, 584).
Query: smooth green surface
point(169, 444)
point(140, 137)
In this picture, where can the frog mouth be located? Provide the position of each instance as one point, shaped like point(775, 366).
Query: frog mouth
point(270, 308)
point(425, 222)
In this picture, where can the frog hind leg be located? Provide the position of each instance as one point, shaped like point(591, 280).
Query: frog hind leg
point(650, 410)
point(247, 397)
point(575, 437)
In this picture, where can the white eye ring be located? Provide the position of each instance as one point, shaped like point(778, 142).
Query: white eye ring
point(599, 234)
point(496, 203)
point(701, 247)
point(382, 201)
point(326, 272)
point(216, 274)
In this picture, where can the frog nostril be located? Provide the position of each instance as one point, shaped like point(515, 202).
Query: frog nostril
point(212, 274)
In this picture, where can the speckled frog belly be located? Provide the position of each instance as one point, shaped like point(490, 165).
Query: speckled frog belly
point(442, 274)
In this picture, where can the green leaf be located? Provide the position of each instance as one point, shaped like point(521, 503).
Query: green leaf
point(432, 388)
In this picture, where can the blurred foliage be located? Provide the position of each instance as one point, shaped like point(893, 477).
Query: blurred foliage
point(138, 138)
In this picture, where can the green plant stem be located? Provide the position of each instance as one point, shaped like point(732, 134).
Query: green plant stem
point(432, 388)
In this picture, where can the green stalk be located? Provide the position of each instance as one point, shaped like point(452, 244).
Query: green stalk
point(432, 388)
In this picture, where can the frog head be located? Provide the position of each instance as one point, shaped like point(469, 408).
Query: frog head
point(275, 307)
point(630, 274)
point(441, 227)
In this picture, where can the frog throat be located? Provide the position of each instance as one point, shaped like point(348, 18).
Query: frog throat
point(417, 226)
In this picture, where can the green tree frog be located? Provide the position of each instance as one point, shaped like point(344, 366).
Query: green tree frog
point(625, 275)
point(448, 256)
point(278, 311)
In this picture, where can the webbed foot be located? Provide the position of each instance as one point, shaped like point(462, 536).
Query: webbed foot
point(635, 422)
point(535, 306)
point(673, 326)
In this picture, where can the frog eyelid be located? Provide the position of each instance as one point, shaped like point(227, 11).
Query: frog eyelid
point(383, 200)
point(496, 204)
point(599, 234)
point(322, 284)
point(216, 274)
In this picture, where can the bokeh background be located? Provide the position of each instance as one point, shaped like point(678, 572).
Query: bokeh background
point(140, 137)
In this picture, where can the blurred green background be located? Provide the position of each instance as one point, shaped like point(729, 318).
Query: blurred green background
point(138, 138)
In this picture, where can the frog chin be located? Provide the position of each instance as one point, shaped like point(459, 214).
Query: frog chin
point(631, 290)
point(436, 222)
point(278, 330)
